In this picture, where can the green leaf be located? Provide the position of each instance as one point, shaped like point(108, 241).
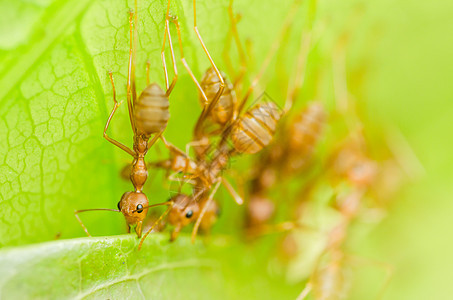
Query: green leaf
point(112, 268)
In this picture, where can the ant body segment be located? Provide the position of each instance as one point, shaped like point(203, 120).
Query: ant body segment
point(148, 115)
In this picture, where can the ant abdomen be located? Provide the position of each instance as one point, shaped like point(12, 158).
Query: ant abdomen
point(224, 109)
point(306, 128)
point(256, 128)
point(151, 111)
point(304, 134)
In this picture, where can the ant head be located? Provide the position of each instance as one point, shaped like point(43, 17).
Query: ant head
point(184, 211)
point(134, 206)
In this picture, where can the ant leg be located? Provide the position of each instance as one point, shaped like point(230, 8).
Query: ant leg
point(175, 233)
point(299, 76)
point(278, 228)
point(213, 102)
point(167, 32)
point(138, 229)
point(222, 83)
point(170, 206)
point(207, 104)
point(147, 71)
point(172, 147)
point(173, 177)
point(130, 87)
point(115, 107)
point(203, 211)
point(389, 269)
point(204, 142)
point(341, 92)
point(226, 53)
point(304, 292)
point(306, 43)
point(233, 20)
point(77, 212)
point(174, 20)
point(154, 139)
point(275, 46)
point(134, 55)
point(238, 199)
point(179, 152)
point(239, 180)
point(403, 154)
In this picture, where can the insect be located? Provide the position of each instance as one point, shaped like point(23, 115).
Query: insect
point(290, 152)
point(181, 161)
point(330, 278)
point(351, 172)
point(148, 115)
point(185, 210)
point(249, 133)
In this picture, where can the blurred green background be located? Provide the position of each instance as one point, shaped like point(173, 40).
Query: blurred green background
point(55, 97)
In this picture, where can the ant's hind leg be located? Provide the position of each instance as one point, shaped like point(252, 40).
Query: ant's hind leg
point(213, 101)
point(203, 211)
point(115, 107)
point(173, 60)
point(299, 76)
point(304, 292)
point(174, 20)
point(148, 65)
point(221, 81)
point(235, 34)
point(208, 103)
point(130, 87)
point(237, 198)
point(171, 147)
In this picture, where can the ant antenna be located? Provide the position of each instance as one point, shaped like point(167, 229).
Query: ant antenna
point(77, 212)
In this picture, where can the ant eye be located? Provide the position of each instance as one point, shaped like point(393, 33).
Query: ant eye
point(119, 205)
point(139, 208)
point(189, 214)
